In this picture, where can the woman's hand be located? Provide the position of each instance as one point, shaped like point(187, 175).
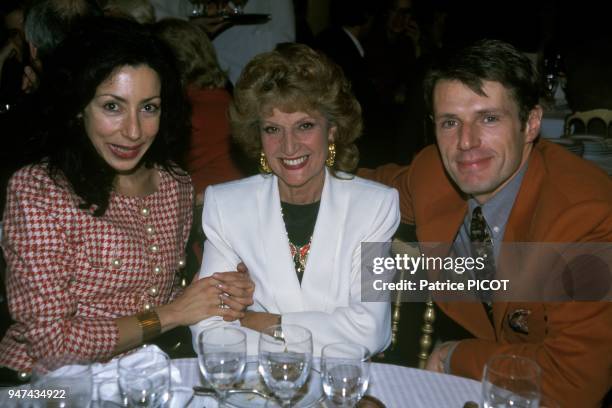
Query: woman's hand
point(237, 289)
point(206, 297)
point(200, 300)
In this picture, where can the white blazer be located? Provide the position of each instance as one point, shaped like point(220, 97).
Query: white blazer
point(242, 221)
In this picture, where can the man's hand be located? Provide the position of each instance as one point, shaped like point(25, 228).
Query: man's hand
point(212, 20)
point(259, 320)
point(439, 355)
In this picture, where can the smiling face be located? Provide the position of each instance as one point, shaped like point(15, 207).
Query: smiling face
point(295, 145)
point(122, 119)
point(481, 139)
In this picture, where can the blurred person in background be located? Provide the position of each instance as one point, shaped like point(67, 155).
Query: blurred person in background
point(209, 157)
point(141, 11)
point(13, 54)
point(236, 43)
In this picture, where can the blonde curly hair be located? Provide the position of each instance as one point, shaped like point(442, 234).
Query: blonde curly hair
point(294, 78)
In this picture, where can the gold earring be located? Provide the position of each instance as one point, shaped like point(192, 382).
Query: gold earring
point(264, 167)
point(331, 157)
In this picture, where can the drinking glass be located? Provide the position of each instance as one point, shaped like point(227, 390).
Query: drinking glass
point(109, 395)
point(69, 376)
point(285, 359)
point(150, 363)
point(345, 372)
point(140, 392)
point(198, 8)
point(511, 381)
point(215, 8)
point(222, 357)
point(551, 82)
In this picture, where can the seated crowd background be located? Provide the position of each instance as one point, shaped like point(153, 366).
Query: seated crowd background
point(117, 116)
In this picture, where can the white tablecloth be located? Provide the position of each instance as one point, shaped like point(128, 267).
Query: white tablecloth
point(395, 386)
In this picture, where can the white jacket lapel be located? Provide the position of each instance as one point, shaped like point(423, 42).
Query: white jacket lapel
point(325, 246)
point(279, 269)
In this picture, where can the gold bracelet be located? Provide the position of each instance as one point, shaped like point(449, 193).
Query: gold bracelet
point(149, 324)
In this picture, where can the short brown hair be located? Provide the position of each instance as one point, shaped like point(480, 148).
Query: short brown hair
point(293, 78)
point(195, 55)
point(487, 60)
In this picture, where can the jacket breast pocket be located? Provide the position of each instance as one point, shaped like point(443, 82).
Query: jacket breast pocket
point(115, 253)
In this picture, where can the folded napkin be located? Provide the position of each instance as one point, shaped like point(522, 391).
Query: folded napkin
point(148, 355)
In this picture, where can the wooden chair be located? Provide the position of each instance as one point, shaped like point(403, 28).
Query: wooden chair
point(429, 315)
point(596, 121)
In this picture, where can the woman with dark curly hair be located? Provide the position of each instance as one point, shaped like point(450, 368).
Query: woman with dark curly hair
point(299, 225)
point(95, 230)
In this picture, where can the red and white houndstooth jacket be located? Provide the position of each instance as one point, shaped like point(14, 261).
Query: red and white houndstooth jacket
point(69, 274)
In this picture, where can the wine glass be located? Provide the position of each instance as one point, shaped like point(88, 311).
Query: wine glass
point(109, 395)
point(551, 83)
point(151, 363)
point(511, 381)
point(222, 357)
point(285, 359)
point(232, 9)
point(69, 375)
point(140, 392)
point(198, 8)
point(345, 371)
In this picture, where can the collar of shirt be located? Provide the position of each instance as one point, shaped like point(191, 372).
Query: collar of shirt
point(355, 41)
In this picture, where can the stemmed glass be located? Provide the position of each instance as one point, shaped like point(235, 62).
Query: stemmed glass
point(148, 363)
point(285, 359)
point(68, 374)
point(208, 8)
point(140, 392)
point(551, 83)
point(222, 357)
point(511, 381)
point(109, 395)
point(345, 371)
point(198, 8)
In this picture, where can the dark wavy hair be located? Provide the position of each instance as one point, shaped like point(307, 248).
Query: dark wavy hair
point(488, 60)
point(92, 53)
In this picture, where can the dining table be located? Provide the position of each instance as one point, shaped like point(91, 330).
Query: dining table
point(393, 385)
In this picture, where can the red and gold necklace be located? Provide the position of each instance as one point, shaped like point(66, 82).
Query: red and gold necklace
point(299, 254)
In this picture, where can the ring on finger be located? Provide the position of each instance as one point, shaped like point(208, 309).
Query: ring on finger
point(222, 304)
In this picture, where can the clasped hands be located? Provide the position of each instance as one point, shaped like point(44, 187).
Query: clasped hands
point(225, 294)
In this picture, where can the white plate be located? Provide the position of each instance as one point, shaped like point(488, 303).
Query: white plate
point(310, 395)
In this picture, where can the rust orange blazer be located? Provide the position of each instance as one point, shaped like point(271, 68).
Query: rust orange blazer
point(562, 199)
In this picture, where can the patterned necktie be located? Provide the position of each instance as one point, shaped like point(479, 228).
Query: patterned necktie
point(482, 247)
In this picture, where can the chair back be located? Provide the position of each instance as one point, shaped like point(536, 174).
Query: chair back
point(426, 341)
point(594, 122)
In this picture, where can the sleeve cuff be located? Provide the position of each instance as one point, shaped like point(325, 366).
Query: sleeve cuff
point(449, 355)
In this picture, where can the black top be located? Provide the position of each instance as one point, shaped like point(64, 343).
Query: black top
point(300, 221)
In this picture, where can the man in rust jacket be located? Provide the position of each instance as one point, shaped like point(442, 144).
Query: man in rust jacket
point(488, 160)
